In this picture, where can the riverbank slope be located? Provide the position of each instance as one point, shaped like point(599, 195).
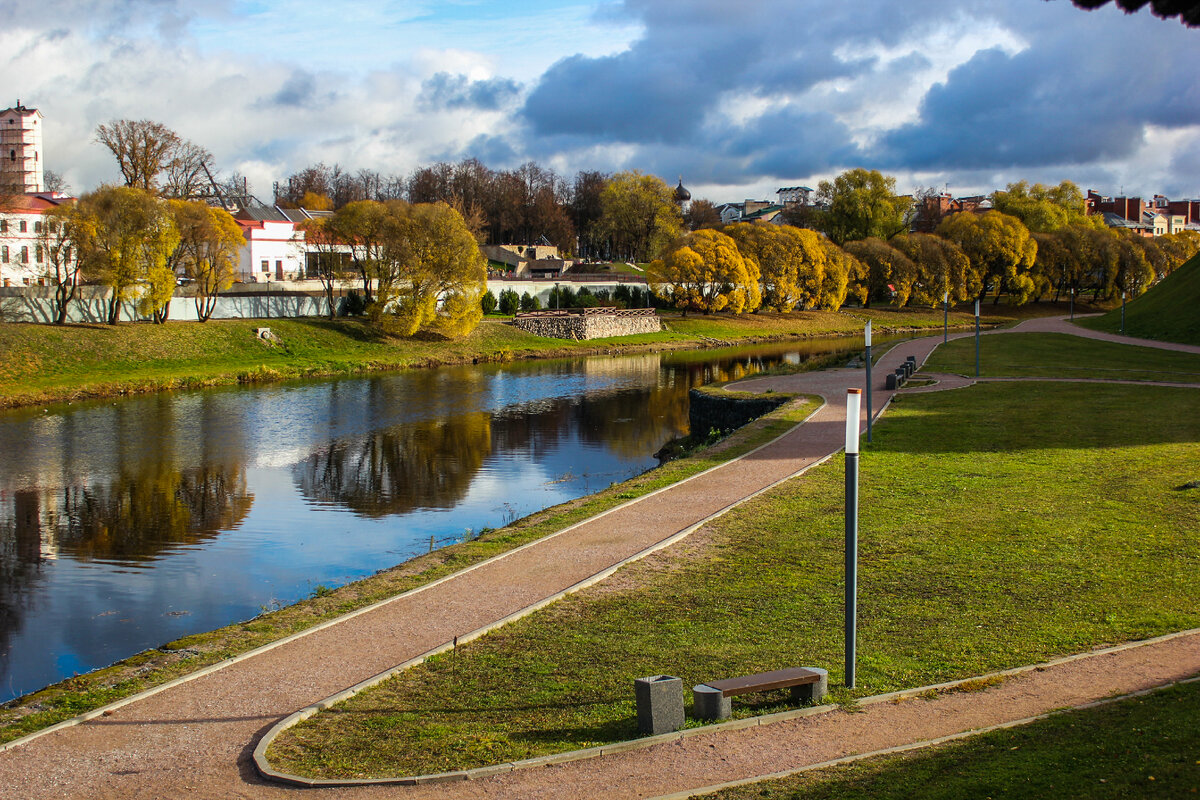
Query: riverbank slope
point(44, 363)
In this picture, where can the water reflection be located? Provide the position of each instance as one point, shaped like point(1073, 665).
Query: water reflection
point(124, 525)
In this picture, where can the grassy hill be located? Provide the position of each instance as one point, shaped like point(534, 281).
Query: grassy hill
point(1169, 312)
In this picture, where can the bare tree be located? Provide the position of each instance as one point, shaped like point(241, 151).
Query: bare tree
point(55, 182)
point(143, 149)
point(188, 172)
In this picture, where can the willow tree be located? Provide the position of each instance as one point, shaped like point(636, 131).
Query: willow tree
point(210, 243)
point(842, 270)
point(790, 261)
point(942, 268)
point(362, 226)
point(125, 237)
point(639, 214)
point(444, 277)
point(860, 204)
point(1001, 250)
point(1044, 209)
point(889, 274)
point(704, 271)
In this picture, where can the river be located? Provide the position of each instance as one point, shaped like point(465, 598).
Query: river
point(127, 524)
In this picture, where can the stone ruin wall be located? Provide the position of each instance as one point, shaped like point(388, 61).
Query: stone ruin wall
point(588, 326)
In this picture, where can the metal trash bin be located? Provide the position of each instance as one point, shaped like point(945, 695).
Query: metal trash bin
point(659, 704)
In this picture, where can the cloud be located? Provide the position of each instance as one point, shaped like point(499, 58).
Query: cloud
point(444, 91)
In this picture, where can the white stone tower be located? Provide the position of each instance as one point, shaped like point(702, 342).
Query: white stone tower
point(21, 150)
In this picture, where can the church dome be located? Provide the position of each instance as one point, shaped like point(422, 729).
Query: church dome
point(682, 195)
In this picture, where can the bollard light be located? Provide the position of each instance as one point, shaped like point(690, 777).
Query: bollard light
point(852, 413)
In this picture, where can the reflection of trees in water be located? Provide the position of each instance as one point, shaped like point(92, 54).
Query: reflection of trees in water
point(20, 562)
point(136, 517)
point(427, 464)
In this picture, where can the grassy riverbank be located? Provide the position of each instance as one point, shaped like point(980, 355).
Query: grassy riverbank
point(46, 363)
point(1002, 525)
point(1141, 747)
point(1167, 312)
point(188, 655)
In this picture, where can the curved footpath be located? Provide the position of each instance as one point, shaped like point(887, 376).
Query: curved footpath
point(196, 738)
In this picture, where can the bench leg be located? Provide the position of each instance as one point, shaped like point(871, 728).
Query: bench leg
point(709, 704)
point(812, 692)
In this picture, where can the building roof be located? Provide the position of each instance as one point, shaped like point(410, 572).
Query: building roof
point(682, 194)
point(764, 213)
point(1117, 221)
point(33, 203)
point(793, 189)
point(258, 212)
point(21, 110)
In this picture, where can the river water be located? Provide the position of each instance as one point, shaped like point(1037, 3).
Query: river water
point(127, 524)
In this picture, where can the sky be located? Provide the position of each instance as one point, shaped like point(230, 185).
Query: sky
point(961, 95)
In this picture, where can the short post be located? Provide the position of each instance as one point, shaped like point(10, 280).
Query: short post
point(852, 398)
point(976, 337)
point(1122, 312)
point(268, 296)
point(945, 317)
point(557, 298)
point(868, 335)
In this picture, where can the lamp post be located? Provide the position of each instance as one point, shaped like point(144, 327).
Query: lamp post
point(945, 317)
point(557, 298)
point(852, 400)
point(1072, 304)
point(868, 339)
point(268, 295)
point(1122, 312)
point(976, 337)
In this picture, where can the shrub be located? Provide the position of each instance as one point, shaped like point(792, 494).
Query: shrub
point(488, 302)
point(530, 302)
point(509, 302)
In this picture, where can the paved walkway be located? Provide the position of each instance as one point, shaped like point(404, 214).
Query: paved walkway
point(195, 739)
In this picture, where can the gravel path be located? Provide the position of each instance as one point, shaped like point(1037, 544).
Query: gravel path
point(195, 739)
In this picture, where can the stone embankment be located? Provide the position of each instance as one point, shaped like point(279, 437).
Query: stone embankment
point(589, 323)
point(725, 412)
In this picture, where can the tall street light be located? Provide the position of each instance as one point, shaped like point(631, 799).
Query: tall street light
point(852, 410)
point(868, 339)
point(945, 317)
point(976, 337)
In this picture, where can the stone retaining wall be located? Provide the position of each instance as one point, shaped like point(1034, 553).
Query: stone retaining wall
point(726, 412)
point(589, 325)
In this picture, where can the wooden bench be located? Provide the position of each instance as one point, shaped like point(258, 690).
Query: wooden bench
point(711, 700)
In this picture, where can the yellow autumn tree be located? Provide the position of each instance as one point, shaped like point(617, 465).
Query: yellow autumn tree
point(210, 243)
point(704, 271)
point(1000, 248)
point(790, 261)
point(445, 274)
point(841, 269)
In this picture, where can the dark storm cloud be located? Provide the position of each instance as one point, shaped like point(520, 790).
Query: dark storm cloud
point(444, 91)
point(1080, 93)
point(664, 87)
point(1080, 89)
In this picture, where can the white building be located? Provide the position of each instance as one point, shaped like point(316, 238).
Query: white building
point(24, 236)
point(21, 150)
point(274, 249)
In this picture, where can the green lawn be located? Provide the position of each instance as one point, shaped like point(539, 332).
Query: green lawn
point(1145, 747)
point(1001, 525)
point(1061, 355)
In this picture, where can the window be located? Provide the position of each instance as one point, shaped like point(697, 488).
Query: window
point(266, 265)
point(37, 226)
point(3, 226)
point(21, 226)
point(24, 255)
point(12, 155)
point(279, 267)
point(53, 227)
point(4, 254)
point(38, 253)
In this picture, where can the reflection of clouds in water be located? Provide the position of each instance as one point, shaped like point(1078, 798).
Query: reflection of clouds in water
point(214, 503)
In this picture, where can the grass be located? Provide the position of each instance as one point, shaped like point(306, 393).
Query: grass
point(47, 363)
point(1141, 747)
point(1001, 525)
point(1062, 355)
point(1167, 312)
point(184, 656)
